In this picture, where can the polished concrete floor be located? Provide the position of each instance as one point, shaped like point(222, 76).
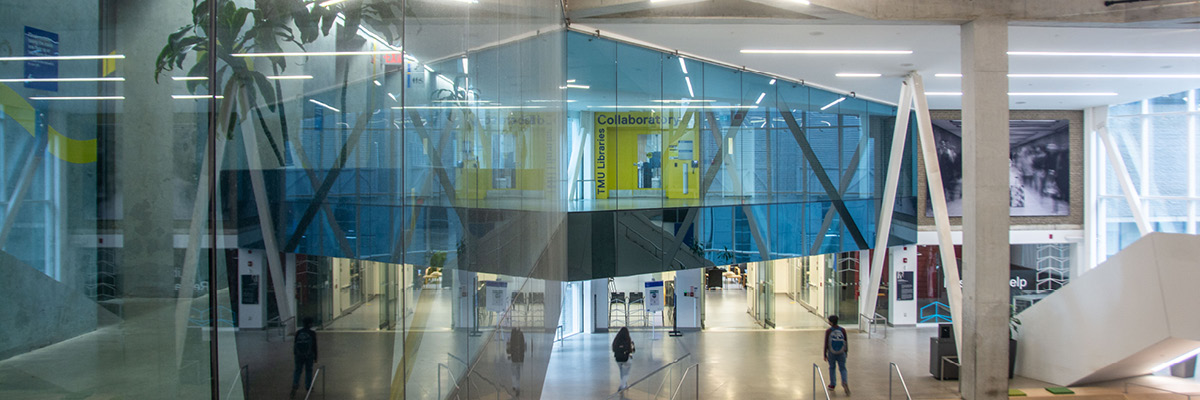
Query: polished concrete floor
point(728, 308)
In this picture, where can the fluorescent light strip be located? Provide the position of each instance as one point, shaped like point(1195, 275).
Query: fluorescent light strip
point(466, 65)
point(194, 96)
point(1177, 360)
point(760, 97)
point(116, 79)
point(1099, 54)
point(427, 68)
point(772, 82)
point(688, 79)
point(684, 101)
point(856, 75)
point(314, 101)
point(393, 97)
point(64, 58)
point(290, 77)
point(680, 107)
point(331, 2)
point(77, 98)
point(682, 65)
point(804, 2)
point(831, 104)
point(189, 78)
point(377, 82)
point(574, 86)
point(551, 101)
point(1105, 76)
point(570, 81)
point(468, 107)
point(827, 52)
point(1031, 94)
point(319, 53)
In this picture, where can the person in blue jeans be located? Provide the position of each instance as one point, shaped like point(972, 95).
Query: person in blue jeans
point(836, 348)
point(305, 349)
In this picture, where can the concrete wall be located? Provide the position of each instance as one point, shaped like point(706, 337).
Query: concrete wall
point(39, 311)
point(1132, 312)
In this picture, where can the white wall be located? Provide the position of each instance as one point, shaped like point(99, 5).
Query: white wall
point(689, 285)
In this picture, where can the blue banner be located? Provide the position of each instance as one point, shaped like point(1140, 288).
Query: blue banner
point(39, 43)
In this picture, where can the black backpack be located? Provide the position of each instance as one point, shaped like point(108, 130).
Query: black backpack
point(305, 339)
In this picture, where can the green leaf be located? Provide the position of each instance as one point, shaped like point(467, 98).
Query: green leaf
point(264, 87)
point(200, 69)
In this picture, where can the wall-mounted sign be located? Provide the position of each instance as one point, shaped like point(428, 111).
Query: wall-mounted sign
point(249, 289)
point(497, 295)
point(39, 43)
point(904, 285)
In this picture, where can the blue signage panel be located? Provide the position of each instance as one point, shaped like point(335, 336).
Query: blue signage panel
point(39, 43)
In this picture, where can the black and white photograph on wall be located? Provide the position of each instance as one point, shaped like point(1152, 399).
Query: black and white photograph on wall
point(1038, 166)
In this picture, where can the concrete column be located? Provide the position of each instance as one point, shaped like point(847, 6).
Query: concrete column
point(985, 209)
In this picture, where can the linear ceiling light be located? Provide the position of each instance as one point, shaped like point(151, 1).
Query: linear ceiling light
point(314, 101)
point(290, 77)
point(77, 98)
point(772, 82)
point(194, 96)
point(107, 79)
point(318, 53)
point(1106, 76)
point(835, 52)
point(760, 97)
point(1099, 54)
point(63, 58)
point(832, 103)
point(682, 65)
point(684, 101)
point(574, 86)
point(330, 2)
point(692, 93)
point(1031, 94)
point(189, 78)
point(856, 75)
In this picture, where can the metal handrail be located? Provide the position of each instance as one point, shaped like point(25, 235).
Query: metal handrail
point(871, 322)
point(942, 369)
point(1126, 389)
point(891, 367)
point(684, 378)
point(316, 374)
point(439, 380)
point(677, 360)
point(817, 372)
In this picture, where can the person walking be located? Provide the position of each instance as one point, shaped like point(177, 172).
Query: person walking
point(304, 348)
point(836, 348)
point(622, 349)
point(516, 354)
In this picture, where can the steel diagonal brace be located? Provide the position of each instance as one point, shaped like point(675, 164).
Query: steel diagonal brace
point(822, 177)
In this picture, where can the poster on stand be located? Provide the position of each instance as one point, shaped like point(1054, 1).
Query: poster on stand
point(654, 296)
point(497, 295)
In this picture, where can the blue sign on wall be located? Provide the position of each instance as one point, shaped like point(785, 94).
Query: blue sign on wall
point(39, 43)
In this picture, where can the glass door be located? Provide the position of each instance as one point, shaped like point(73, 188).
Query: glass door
point(766, 294)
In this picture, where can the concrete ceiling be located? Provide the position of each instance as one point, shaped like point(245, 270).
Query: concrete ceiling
point(936, 51)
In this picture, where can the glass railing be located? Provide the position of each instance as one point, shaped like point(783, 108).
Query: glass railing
point(662, 383)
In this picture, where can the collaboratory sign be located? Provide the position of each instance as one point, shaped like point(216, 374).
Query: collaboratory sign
point(606, 125)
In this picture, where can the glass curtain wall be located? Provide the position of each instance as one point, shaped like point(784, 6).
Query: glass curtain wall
point(185, 183)
point(679, 163)
point(1156, 139)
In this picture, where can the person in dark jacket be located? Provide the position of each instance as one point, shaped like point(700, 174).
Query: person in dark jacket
point(304, 348)
point(622, 349)
point(837, 346)
point(516, 353)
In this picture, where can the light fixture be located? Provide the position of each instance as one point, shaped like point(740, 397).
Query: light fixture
point(194, 96)
point(705, 106)
point(760, 97)
point(832, 103)
point(314, 101)
point(570, 81)
point(826, 51)
point(427, 68)
point(731, 153)
point(377, 82)
point(688, 79)
point(1031, 94)
point(772, 82)
point(189, 78)
point(291, 77)
point(856, 75)
point(1095, 76)
point(684, 101)
point(106, 79)
point(77, 98)
point(1099, 54)
point(682, 66)
point(328, 3)
point(1177, 360)
point(64, 58)
point(574, 86)
point(466, 65)
point(318, 53)
point(804, 2)
point(393, 97)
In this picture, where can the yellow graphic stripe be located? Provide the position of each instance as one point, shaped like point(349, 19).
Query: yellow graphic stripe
point(109, 65)
point(67, 149)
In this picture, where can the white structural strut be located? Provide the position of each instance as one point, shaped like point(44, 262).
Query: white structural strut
point(1100, 116)
point(284, 303)
point(941, 217)
point(884, 228)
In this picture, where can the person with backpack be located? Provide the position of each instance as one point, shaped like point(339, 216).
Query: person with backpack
point(516, 353)
point(836, 348)
point(304, 348)
point(622, 349)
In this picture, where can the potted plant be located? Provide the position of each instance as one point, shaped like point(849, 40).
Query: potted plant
point(1014, 326)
